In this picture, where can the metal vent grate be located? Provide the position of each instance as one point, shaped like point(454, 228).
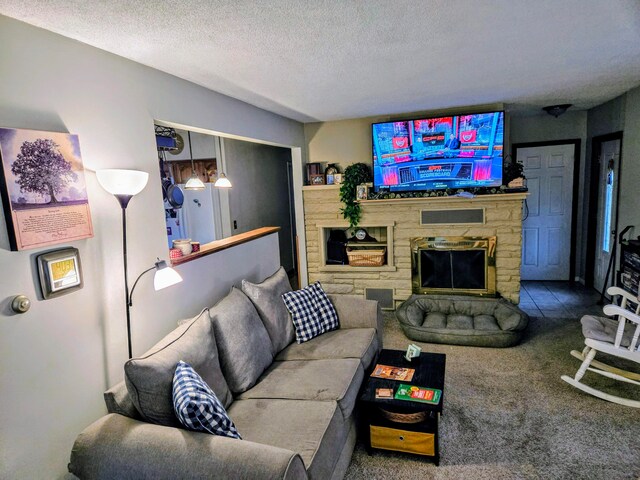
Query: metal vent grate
point(384, 297)
point(461, 216)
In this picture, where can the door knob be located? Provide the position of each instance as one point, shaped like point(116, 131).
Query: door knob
point(20, 304)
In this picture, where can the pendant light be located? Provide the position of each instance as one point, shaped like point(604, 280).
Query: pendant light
point(194, 182)
point(222, 181)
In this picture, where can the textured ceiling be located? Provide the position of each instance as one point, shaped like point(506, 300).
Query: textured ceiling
point(332, 59)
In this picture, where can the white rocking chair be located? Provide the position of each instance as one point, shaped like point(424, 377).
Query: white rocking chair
point(617, 337)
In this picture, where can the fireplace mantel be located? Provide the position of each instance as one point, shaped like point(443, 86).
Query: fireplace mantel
point(501, 217)
point(498, 197)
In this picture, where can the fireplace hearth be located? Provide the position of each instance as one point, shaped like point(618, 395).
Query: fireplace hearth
point(454, 265)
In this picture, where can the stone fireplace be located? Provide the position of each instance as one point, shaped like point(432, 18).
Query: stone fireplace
point(454, 265)
point(396, 222)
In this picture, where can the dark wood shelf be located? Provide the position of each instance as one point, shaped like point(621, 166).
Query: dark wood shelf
point(218, 245)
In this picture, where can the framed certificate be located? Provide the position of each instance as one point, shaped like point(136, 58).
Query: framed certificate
point(60, 272)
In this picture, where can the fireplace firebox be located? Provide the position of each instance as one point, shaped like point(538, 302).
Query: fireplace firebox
point(454, 265)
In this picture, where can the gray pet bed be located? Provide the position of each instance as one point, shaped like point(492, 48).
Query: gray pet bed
point(460, 320)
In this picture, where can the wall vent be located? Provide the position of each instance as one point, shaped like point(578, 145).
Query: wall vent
point(453, 216)
point(384, 297)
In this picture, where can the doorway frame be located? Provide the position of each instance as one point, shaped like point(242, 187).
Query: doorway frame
point(577, 144)
point(592, 202)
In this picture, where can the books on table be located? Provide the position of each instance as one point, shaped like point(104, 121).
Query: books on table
point(393, 373)
point(418, 394)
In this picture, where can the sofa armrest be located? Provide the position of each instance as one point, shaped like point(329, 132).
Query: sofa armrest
point(116, 446)
point(357, 312)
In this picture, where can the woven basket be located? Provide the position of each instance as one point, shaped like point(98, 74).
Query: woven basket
point(404, 417)
point(366, 258)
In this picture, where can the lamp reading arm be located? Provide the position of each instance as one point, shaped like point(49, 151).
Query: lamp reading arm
point(136, 283)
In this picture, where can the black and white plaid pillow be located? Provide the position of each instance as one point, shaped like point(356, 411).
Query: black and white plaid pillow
point(197, 406)
point(328, 314)
point(311, 311)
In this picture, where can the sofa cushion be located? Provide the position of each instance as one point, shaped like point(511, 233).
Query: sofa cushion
point(335, 379)
point(242, 339)
point(311, 311)
point(197, 406)
point(313, 429)
point(360, 343)
point(118, 400)
point(267, 298)
point(149, 378)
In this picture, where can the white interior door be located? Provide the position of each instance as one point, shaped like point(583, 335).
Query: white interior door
point(609, 161)
point(546, 232)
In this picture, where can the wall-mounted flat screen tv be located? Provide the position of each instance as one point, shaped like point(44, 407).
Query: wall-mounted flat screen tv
point(459, 151)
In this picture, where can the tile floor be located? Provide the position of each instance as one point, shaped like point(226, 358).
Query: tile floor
point(558, 299)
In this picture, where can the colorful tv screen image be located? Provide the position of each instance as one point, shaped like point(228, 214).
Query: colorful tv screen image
point(460, 151)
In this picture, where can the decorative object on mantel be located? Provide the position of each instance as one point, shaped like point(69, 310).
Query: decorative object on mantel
point(316, 179)
point(513, 174)
point(438, 193)
point(59, 272)
point(43, 190)
point(312, 170)
point(354, 175)
point(330, 173)
point(124, 184)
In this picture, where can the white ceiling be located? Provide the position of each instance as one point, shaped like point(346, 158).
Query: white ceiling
point(332, 59)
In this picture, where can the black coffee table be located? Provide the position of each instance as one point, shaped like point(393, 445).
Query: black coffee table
point(402, 425)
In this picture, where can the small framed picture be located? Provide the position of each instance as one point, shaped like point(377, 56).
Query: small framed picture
point(60, 272)
point(362, 192)
point(330, 179)
point(317, 179)
point(413, 351)
point(337, 178)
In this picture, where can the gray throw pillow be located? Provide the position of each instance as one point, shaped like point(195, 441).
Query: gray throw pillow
point(149, 378)
point(243, 341)
point(267, 298)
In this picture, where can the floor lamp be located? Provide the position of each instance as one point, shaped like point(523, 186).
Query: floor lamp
point(124, 184)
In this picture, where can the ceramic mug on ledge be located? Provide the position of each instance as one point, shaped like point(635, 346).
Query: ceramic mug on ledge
point(184, 244)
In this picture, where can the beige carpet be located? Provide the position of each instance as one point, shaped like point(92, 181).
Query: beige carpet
point(507, 415)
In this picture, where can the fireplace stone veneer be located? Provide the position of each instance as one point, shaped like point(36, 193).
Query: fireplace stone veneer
point(502, 219)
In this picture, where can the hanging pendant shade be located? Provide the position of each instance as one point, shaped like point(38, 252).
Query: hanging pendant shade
point(222, 181)
point(194, 183)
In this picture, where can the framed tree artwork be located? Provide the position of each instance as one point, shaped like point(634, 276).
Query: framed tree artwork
point(43, 190)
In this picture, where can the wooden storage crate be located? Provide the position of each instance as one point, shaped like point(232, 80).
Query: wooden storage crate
point(366, 258)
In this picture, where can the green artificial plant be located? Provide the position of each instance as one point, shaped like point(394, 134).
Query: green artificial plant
point(354, 175)
point(512, 170)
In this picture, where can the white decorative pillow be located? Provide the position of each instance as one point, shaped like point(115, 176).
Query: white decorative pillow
point(311, 311)
point(197, 406)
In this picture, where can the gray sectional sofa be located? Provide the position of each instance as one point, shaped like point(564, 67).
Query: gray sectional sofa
point(293, 404)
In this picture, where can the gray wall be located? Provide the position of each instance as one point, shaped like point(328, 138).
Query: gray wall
point(260, 195)
point(629, 212)
point(619, 114)
point(58, 358)
point(546, 128)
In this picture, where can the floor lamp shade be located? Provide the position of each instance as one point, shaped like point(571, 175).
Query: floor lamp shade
point(165, 276)
point(122, 182)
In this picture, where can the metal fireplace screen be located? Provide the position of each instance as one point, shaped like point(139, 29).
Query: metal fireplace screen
point(458, 265)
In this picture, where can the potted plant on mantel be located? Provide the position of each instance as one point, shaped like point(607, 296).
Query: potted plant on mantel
point(354, 175)
point(514, 174)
